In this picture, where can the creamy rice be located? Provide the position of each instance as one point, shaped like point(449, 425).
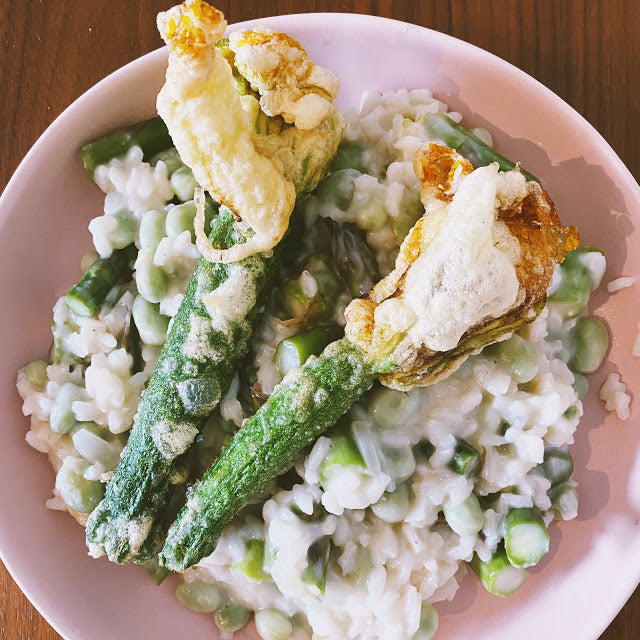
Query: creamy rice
point(389, 551)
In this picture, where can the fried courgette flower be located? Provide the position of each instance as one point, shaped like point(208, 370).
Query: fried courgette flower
point(252, 152)
point(473, 269)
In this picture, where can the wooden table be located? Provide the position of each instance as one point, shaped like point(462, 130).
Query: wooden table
point(586, 51)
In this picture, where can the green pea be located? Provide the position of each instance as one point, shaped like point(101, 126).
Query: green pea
point(151, 280)
point(36, 374)
point(390, 408)
point(557, 465)
point(183, 183)
point(428, 623)
point(343, 452)
point(516, 356)
point(62, 419)
point(125, 230)
point(348, 156)
point(80, 494)
point(590, 344)
point(151, 324)
point(400, 463)
point(411, 209)
point(337, 189)
point(231, 617)
point(171, 159)
point(394, 506)
point(152, 229)
point(572, 296)
point(180, 218)
point(372, 214)
point(272, 624)
point(466, 517)
point(197, 595)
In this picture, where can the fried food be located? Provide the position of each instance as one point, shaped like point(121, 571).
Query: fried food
point(474, 268)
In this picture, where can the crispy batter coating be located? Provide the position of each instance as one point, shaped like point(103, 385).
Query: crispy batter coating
point(521, 248)
point(255, 170)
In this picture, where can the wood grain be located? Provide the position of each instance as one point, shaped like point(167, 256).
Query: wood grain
point(586, 51)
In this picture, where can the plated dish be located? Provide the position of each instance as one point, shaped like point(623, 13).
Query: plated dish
point(511, 154)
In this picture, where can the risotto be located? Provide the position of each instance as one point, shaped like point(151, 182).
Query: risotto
point(380, 518)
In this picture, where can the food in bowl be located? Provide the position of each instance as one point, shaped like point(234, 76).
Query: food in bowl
point(377, 520)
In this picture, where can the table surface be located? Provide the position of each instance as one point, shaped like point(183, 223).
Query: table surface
point(586, 51)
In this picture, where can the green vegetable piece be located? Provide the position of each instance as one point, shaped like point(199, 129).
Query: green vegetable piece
point(80, 494)
point(311, 298)
point(294, 351)
point(253, 561)
point(572, 296)
point(155, 571)
point(498, 576)
point(343, 451)
point(337, 189)
point(580, 385)
point(591, 342)
point(180, 218)
point(354, 260)
point(200, 596)
point(390, 408)
point(151, 280)
point(185, 382)
point(348, 156)
point(171, 159)
point(465, 458)
point(466, 517)
point(315, 573)
point(429, 620)
point(152, 229)
point(125, 231)
point(400, 463)
point(440, 127)
point(516, 356)
point(272, 624)
point(299, 410)
point(526, 538)
point(564, 501)
point(232, 617)
point(393, 507)
point(183, 183)
point(152, 325)
point(88, 294)
point(557, 465)
point(36, 374)
point(152, 137)
point(62, 419)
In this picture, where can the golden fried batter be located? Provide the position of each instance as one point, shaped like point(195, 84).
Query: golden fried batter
point(256, 173)
point(474, 268)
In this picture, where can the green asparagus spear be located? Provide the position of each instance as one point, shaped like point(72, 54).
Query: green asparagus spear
point(293, 351)
point(441, 127)
point(307, 402)
point(465, 459)
point(196, 365)
point(152, 137)
point(526, 538)
point(497, 575)
point(90, 291)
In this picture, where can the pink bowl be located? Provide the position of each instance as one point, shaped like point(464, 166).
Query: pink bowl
point(595, 560)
